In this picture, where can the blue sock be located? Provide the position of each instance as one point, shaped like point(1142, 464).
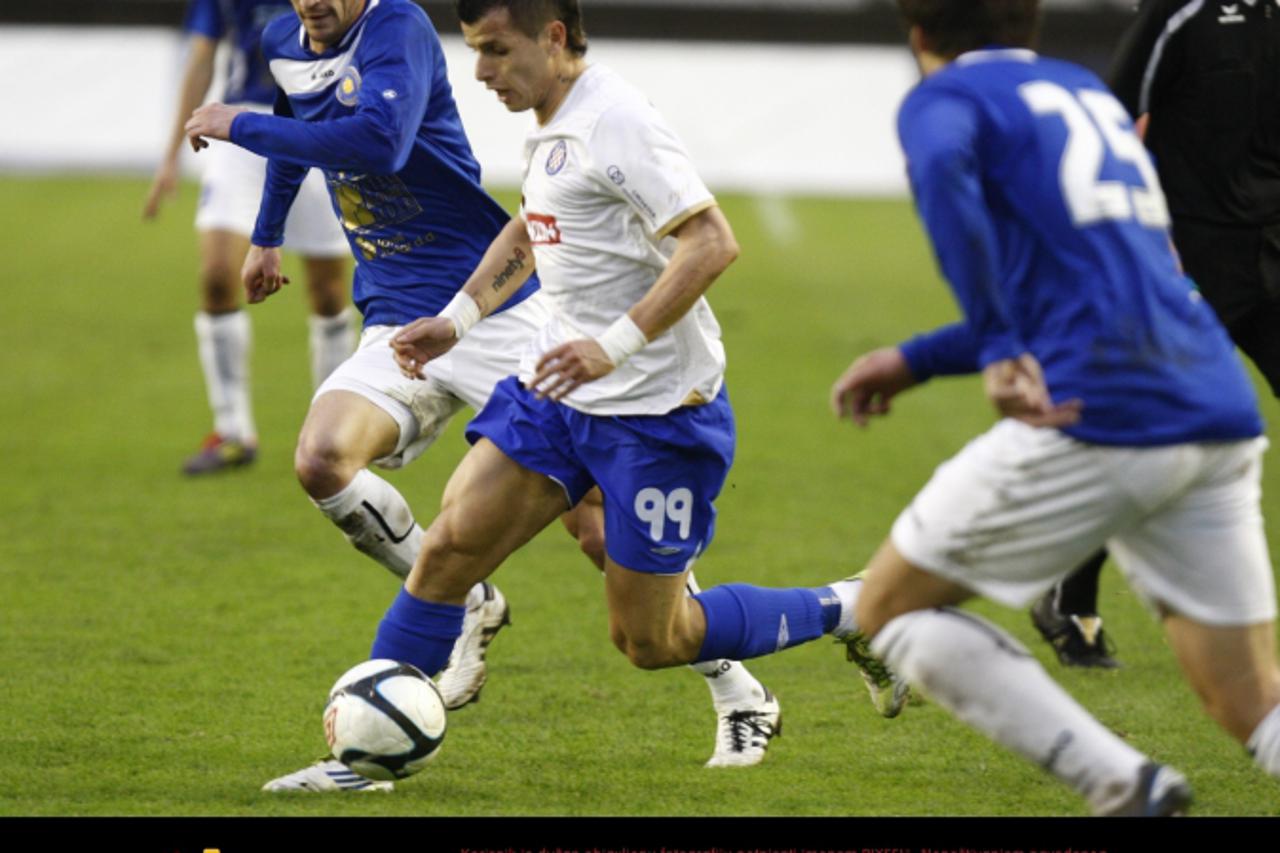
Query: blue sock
point(418, 632)
point(746, 621)
point(830, 608)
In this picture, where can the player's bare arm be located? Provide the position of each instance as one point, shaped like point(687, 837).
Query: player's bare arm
point(865, 389)
point(704, 249)
point(1016, 387)
point(196, 78)
point(261, 273)
point(505, 267)
point(212, 121)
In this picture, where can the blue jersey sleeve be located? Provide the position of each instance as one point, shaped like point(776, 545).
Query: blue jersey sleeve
point(278, 192)
point(205, 18)
point(939, 133)
point(949, 351)
point(378, 136)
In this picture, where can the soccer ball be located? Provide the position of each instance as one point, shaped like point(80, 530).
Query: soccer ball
point(384, 720)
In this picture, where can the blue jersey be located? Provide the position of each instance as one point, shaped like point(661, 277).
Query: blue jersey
point(1049, 223)
point(377, 114)
point(242, 22)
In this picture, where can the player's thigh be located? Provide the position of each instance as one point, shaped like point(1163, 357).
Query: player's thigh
point(1232, 669)
point(420, 409)
point(1202, 554)
point(1014, 511)
point(342, 426)
point(492, 505)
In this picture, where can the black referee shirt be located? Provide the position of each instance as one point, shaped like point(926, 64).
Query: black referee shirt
point(1208, 73)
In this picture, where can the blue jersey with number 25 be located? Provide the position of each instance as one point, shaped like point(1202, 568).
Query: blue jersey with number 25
point(1049, 223)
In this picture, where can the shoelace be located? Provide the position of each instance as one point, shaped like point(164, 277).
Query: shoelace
point(743, 723)
point(867, 662)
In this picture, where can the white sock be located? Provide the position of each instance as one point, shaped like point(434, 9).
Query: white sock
point(1264, 743)
point(847, 591)
point(376, 519)
point(731, 685)
point(984, 677)
point(224, 342)
point(332, 341)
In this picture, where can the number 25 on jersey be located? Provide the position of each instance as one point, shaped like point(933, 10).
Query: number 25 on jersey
point(1097, 125)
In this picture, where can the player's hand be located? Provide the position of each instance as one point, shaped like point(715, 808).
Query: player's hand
point(421, 341)
point(163, 186)
point(212, 121)
point(563, 369)
point(261, 273)
point(865, 389)
point(1016, 387)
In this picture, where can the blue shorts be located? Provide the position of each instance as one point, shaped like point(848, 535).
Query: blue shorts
point(659, 473)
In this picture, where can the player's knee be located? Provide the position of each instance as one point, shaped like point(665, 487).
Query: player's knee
point(649, 652)
point(650, 655)
point(219, 286)
point(319, 467)
point(442, 571)
point(453, 537)
point(327, 300)
point(591, 541)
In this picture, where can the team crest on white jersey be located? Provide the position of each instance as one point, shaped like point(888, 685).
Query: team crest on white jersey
point(348, 89)
point(557, 158)
point(543, 230)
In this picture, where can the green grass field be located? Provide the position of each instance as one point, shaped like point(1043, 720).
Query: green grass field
point(167, 643)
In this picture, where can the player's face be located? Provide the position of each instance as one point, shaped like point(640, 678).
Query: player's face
point(519, 69)
point(327, 21)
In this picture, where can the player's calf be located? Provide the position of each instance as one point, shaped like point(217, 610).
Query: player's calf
point(376, 520)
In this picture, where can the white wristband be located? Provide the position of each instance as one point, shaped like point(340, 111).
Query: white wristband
point(622, 340)
point(463, 311)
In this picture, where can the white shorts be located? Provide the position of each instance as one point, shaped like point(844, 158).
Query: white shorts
point(231, 191)
point(1019, 508)
point(464, 376)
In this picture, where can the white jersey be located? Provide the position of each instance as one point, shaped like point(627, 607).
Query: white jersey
point(605, 182)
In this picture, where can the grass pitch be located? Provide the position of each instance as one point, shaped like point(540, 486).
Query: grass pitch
point(168, 643)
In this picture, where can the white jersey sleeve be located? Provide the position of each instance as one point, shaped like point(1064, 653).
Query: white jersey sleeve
point(635, 154)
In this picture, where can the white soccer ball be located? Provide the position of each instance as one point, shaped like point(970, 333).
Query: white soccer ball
point(384, 720)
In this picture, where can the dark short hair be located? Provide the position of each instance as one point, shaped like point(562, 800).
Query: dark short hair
point(530, 16)
point(955, 26)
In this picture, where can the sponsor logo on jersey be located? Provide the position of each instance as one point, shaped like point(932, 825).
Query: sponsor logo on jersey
point(557, 158)
point(348, 89)
point(1231, 14)
point(615, 175)
point(389, 94)
point(543, 230)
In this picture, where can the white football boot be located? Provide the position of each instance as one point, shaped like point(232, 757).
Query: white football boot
point(743, 733)
point(463, 676)
point(888, 692)
point(325, 775)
